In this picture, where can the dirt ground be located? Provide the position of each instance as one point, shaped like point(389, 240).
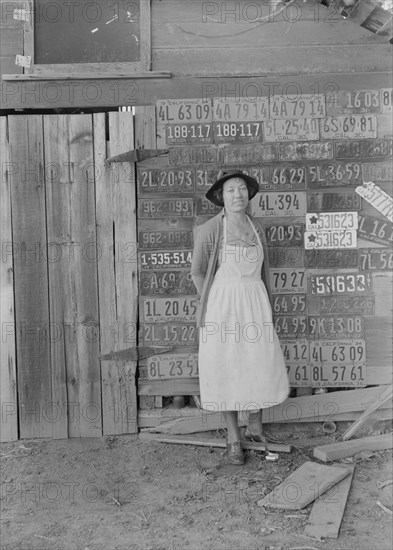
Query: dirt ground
point(125, 493)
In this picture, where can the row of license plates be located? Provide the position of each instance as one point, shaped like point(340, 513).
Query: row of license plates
point(273, 131)
point(279, 106)
point(272, 204)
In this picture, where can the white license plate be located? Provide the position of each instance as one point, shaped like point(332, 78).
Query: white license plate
point(279, 204)
point(330, 240)
point(338, 352)
point(331, 220)
point(241, 109)
point(184, 110)
point(297, 129)
point(375, 196)
point(349, 126)
point(299, 375)
point(295, 351)
point(182, 308)
point(172, 366)
point(336, 376)
point(297, 106)
point(386, 100)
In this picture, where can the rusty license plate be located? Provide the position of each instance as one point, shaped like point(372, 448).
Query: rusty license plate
point(336, 327)
point(376, 259)
point(166, 282)
point(340, 283)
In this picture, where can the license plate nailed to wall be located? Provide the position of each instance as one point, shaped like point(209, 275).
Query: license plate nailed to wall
point(169, 308)
point(168, 366)
point(330, 240)
point(334, 174)
point(166, 282)
point(301, 129)
point(331, 221)
point(295, 106)
point(279, 204)
point(336, 376)
point(340, 283)
point(350, 127)
point(165, 259)
point(177, 334)
point(350, 352)
point(163, 208)
point(288, 281)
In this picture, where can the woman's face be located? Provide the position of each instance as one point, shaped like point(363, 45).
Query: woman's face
point(235, 194)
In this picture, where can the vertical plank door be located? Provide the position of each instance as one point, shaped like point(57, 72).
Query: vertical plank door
point(8, 404)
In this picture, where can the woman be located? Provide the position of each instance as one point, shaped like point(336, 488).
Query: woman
point(241, 365)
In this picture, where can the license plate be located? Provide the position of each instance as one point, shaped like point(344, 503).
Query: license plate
point(167, 239)
point(323, 259)
point(237, 132)
point(297, 106)
point(330, 240)
point(166, 180)
point(166, 367)
point(179, 134)
point(363, 305)
point(291, 326)
point(240, 109)
point(336, 376)
point(375, 196)
point(335, 353)
point(299, 375)
point(376, 259)
point(336, 327)
point(298, 129)
point(386, 100)
point(260, 173)
point(360, 101)
point(349, 127)
point(285, 235)
point(285, 281)
point(331, 220)
point(184, 110)
point(377, 148)
point(288, 176)
point(182, 308)
point(163, 208)
point(165, 259)
point(166, 282)
point(176, 334)
point(375, 230)
point(289, 304)
point(286, 257)
point(336, 202)
point(306, 151)
point(377, 171)
point(279, 204)
point(296, 351)
point(193, 155)
point(252, 153)
point(203, 207)
point(340, 283)
point(334, 174)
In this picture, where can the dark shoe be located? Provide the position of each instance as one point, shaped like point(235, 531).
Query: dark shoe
point(235, 453)
point(257, 438)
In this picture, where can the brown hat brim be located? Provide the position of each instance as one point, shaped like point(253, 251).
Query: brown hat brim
point(252, 185)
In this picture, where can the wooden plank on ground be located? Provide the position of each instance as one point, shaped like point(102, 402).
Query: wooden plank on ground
point(326, 515)
point(335, 451)
point(30, 275)
point(8, 399)
point(303, 486)
point(72, 268)
point(117, 279)
point(213, 442)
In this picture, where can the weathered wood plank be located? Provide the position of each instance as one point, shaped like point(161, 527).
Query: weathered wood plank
point(73, 275)
point(116, 237)
point(8, 398)
point(303, 486)
point(336, 451)
point(30, 275)
point(326, 515)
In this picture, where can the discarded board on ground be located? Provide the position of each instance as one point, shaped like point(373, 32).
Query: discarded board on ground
point(335, 451)
point(326, 515)
point(303, 486)
point(213, 442)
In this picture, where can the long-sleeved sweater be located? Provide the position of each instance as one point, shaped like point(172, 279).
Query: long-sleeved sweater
point(205, 259)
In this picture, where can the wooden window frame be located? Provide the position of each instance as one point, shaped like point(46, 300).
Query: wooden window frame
point(96, 69)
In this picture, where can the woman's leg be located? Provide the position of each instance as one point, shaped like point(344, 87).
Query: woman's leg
point(254, 423)
point(232, 426)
